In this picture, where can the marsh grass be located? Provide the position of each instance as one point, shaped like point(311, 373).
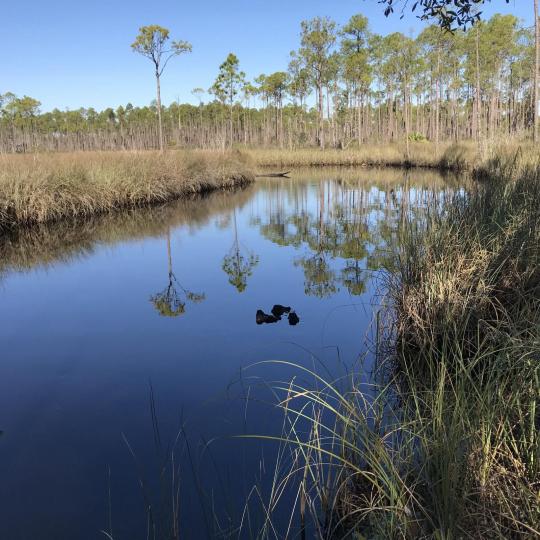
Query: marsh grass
point(47, 187)
point(445, 444)
point(42, 188)
point(455, 157)
point(46, 244)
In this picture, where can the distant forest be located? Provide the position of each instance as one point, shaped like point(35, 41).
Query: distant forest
point(343, 86)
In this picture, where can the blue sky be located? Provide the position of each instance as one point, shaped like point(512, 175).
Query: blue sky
point(77, 54)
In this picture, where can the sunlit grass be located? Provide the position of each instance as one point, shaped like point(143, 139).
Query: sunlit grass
point(445, 444)
point(446, 156)
point(41, 188)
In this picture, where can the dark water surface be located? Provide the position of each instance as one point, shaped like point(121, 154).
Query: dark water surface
point(125, 342)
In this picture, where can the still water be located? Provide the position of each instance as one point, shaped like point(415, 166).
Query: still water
point(131, 353)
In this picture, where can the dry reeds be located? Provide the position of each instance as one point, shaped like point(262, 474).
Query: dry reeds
point(42, 188)
point(447, 156)
point(446, 441)
point(467, 301)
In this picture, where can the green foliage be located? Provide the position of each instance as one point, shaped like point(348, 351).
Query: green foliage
point(16, 109)
point(498, 45)
point(229, 81)
point(151, 42)
point(417, 137)
point(168, 303)
point(373, 85)
point(449, 14)
point(337, 247)
point(316, 41)
point(171, 302)
point(275, 85)
point(355, 54)
point(299, 84)
point(239, 267)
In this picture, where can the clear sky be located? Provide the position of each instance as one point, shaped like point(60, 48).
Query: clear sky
point(77, 54)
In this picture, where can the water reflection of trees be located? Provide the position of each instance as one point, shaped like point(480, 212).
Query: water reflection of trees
point(171, 301)
point(343, 230)
point(48, 244)
point(239, 265)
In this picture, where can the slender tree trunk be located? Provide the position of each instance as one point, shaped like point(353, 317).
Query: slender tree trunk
point(406, 115)
point(276, 120)
point(158, 100)
point(477, 90)
point(359, 119)
point(321, 115)
point(230, 124)
point(536, 67)
point(437, 103)
point(391, 115)
point(281, 123)
point(169, 257)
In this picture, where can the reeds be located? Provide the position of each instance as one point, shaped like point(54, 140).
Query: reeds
point(46, 244)
point(447, 156)
point(42, 188)
point(445, 443)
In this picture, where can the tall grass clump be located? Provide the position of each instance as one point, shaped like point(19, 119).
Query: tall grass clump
point(42, 188)
point(455, 157)
point(467, 300)
point(445, 441)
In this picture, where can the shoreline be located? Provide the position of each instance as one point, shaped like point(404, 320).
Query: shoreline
point(457, 348)
point(448, 157)
point(49, 187)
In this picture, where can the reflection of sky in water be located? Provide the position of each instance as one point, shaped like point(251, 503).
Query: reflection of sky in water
point(82, 339)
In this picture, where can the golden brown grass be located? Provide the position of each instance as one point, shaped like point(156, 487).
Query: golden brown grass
point(45, 244)
point(42, 188)
point(445, 443)
point(447, 156)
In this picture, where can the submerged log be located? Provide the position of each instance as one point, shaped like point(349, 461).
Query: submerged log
point(274, 175)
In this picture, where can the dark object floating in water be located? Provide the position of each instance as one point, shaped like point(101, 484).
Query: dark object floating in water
point(263, 318)
point(278, 310)
point(293, 318)
point(274, 175)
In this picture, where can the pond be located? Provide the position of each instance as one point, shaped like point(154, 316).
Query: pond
point(131, 349)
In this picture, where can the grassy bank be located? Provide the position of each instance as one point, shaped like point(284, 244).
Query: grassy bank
point(446, 443)
point(447, 156)
point(43, 188)
point(46, 244)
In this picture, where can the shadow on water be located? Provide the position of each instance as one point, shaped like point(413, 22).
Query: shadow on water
point(48, 244)
point(303, 254)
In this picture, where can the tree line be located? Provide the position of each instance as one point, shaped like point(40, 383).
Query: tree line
point(344, 85)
